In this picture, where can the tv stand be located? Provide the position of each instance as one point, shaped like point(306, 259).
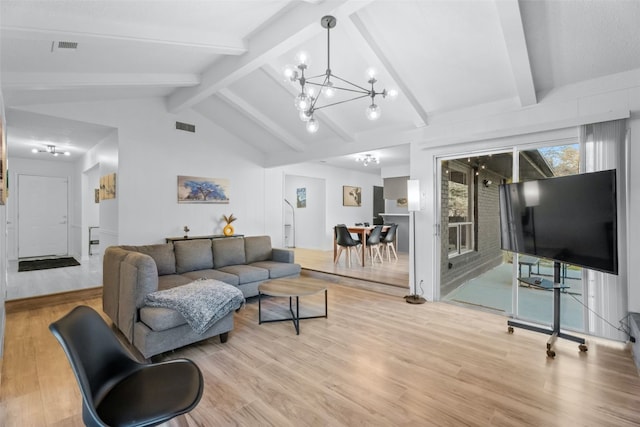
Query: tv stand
point(555, 330)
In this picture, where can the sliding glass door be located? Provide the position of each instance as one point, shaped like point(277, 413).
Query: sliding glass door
point(474, 271)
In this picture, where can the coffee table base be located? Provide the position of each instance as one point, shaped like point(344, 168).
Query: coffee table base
point(295, 315)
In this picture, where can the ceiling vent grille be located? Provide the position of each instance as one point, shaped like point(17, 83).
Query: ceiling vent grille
point(66, 46)
point(186, 127)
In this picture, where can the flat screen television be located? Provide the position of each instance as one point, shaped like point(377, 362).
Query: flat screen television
point(570, 219)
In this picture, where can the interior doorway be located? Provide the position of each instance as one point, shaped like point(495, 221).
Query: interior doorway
point(304, 212)
point(43, 226)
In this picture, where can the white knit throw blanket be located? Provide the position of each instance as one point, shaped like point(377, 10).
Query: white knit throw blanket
point(202, 302)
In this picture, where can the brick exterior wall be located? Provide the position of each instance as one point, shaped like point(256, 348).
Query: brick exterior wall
point(487, 253)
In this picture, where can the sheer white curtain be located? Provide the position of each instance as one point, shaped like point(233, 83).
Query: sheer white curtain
point(605, 147)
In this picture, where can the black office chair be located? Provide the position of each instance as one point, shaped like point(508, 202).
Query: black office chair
point(388, 241)
point(373, 243)
point(116, 389)
point(345, 240)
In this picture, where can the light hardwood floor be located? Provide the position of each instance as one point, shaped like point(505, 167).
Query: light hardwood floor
point(375, 361)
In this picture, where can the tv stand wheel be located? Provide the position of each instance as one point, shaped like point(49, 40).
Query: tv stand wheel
point(551, 353)
point(510, 329)
point(583, 347)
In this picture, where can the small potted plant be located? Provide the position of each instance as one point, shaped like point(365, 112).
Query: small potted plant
point(228, 229)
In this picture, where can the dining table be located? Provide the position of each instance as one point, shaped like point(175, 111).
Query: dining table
point(363, 232)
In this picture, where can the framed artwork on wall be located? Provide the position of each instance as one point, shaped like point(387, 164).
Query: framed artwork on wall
point(351, 196)
point(108, 187)
point(192, 189)
point(301, 197)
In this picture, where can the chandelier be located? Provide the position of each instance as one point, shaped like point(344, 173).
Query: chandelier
point(51, 149)
point(368, 158)
point(329, 85)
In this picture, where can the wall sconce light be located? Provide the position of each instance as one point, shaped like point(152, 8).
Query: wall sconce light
point(487, 182)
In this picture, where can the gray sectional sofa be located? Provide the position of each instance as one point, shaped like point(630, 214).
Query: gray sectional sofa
point(132, 272)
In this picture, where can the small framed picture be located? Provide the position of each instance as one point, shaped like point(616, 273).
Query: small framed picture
point(351, 196)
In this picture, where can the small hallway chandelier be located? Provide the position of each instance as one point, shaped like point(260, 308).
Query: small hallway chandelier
point(51, 149)
point(329, 84)
point(368, 158)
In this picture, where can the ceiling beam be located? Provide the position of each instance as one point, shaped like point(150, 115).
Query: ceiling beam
point(215, 43)
point(36, 81)
point(262, 120)
point(514, 38)
point(360, 33)
point(321, 115)
point(286, 32)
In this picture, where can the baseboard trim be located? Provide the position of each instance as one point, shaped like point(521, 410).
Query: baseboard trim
point(32, 303)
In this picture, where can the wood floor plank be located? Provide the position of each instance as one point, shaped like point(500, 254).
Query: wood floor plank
point(374, 361)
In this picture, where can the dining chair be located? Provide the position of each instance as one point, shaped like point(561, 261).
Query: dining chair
point(374, 242)
point(345, 241)
point(388, 241)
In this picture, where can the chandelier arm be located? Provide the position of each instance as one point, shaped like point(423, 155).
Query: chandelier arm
point(352, 84)
point(339, 102)
point(324, 83)
point(323, 75)
point(368, 92)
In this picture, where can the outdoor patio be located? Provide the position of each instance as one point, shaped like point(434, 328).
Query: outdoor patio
point(492, 290)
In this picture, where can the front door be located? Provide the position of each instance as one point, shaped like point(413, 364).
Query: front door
point(42, 216)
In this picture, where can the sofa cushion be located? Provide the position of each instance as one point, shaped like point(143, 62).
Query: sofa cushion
point(278, 269)
point(228, 251)
point(247, 273)
point(228, 278)
point(257, 248)
point(162, 254)
point(193, 255)
point(160, 318)
point(172, 280)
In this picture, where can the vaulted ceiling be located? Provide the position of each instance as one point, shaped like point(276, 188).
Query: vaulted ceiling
point(224, 59)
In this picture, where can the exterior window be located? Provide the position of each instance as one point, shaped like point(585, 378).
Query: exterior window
point(460, 210)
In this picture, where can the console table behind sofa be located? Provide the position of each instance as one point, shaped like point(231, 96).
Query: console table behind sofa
point(212, 236)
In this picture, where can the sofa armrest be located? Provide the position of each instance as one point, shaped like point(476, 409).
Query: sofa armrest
point(138, 277)
point(111, 260)
point(282, 255)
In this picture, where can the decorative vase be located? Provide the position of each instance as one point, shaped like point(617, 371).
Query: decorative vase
point(228, 230)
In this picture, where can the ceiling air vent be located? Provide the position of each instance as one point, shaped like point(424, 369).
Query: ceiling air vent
point(185, 126)
point(66, 46)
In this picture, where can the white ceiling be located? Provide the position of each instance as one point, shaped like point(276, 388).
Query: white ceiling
point(224, 59)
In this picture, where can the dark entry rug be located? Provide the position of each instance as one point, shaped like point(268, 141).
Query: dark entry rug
point(43, 264)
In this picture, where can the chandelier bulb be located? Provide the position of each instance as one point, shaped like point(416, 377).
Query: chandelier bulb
point(290, 73)
point(312, 125)
point(392, 94)
point(371, 73)
point(373, 112)
point(329, 91)
point(302, 102)
point(302, 58)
